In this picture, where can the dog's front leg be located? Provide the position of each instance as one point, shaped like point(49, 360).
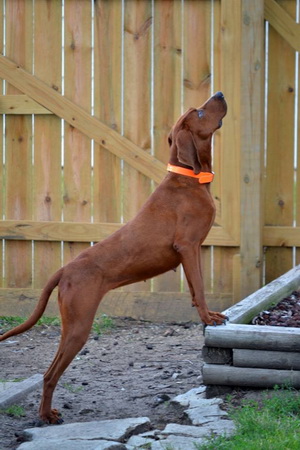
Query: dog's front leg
point(191, 261)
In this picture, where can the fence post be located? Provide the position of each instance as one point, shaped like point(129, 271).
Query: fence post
point(252, 144)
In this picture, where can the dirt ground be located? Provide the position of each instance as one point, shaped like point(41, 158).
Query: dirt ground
point(130, 371)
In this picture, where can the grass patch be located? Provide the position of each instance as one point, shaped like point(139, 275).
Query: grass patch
point(102, 324)
point(14, 411)
point(270, 424)
point(8, 322)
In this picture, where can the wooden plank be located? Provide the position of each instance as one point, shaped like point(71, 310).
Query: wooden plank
point(266, 359)
point(20, 104)
point(252, 145)
point(137, 104)
point(167, 95)
point(77, 146)
point(244, 311)
point(226, 54)
point(255, 337)
point(279, 184)
point(56, 231)
point(197, 82)
point(47, 194)
point(81, 120)
point(107, 108)
point(197, 66)
point(79, 231)
point(258, 378)
point(230, 81)
point(283, 23)
point(18, 148)
point(154, 306)
point(281, 236)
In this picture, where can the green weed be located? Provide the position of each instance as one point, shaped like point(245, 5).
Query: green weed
point(102, 324)
point(272, 423)
point(8, 322)
point(14, 411)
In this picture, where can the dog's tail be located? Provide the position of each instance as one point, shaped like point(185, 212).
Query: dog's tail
point(39, 309)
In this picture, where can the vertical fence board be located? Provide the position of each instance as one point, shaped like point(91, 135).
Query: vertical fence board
point(108, 83)
point(225, 189)
point(252, 146)
point(47, 138)
point(167, 96)
point(137, 104)
point(77, 147)
point(280, 141)
point(18, 201)
point(197, 80)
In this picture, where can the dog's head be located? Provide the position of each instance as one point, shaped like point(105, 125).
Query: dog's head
point(190, 137)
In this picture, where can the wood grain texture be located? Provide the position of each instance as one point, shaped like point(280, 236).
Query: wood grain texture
point(266, 359)
point(20, 104)
point(77, 146)
point(107, 187)
point(252, 146)
point(258, 378)
point(137, 105)
point(167, 87)
point(47, 189)
point(18, 147)
point(279, 186)
point(255, 337)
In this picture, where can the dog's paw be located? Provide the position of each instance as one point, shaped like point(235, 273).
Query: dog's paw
point(54, 418)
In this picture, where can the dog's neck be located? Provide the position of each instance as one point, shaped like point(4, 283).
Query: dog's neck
point(206, 165)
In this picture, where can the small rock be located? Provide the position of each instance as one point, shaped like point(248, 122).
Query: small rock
point(67, 406)
point(86, 411)
point(84, 352)
point(160, 398)
point(169, 332)
point(149, 346)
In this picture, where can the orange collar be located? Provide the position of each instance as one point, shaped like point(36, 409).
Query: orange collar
point(203, 177)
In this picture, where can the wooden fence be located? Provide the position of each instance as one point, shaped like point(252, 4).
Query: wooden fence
point(90, 91)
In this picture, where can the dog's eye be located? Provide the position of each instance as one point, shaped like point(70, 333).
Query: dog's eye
point(200, 113)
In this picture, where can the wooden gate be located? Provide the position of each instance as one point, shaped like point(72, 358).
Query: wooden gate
point(90, 91)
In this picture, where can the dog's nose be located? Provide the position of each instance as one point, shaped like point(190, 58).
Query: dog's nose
point(219, 94)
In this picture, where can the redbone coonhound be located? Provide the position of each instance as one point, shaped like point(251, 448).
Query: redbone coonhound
point(167, 231)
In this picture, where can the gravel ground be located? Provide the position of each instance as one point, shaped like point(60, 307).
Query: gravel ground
point(132, 370)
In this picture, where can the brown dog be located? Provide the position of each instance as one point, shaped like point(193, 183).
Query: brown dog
point(167, 231)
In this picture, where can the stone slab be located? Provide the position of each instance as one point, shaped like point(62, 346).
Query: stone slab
point(185, 430)
point(192, 396)
point(4, 385)
point(202, 415)
point(70, 444)
point(19, 390)
point(114, 430)
point(177, 443)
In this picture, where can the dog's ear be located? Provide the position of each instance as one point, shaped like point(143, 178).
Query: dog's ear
point(187, 151)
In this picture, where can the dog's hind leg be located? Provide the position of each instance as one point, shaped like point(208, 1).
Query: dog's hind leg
point(77, 321)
